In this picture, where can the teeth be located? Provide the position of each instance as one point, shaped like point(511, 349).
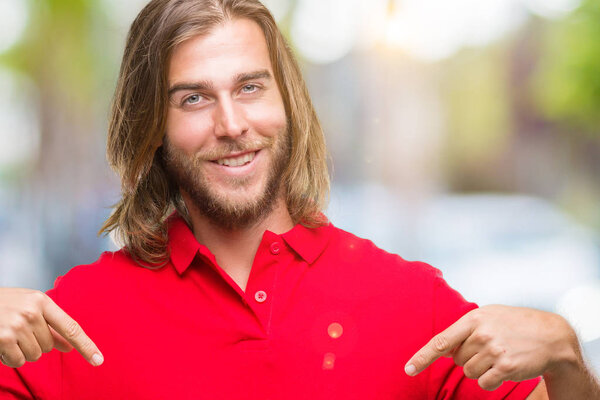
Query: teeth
point(237, 161)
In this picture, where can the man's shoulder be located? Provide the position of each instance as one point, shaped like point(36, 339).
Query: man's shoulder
point(107, 264)
point(112, 281)
point(363, 254)
point(362, 274)
point(112, 272)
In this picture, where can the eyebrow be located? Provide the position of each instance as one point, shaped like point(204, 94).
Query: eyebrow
point(207, 85)
point(249, 76)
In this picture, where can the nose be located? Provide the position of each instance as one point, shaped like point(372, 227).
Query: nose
point(230, 120)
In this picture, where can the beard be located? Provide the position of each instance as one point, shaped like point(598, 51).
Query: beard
point(225, 212)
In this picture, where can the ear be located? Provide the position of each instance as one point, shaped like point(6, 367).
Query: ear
point(158, 142)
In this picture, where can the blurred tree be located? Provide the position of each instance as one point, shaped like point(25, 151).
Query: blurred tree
point(65, 55)
point(479, 119)
point(567, 83)
point(566, 87)
point(523, 114)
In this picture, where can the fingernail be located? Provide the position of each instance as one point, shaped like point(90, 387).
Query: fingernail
point(410, 370)
point(97, 359)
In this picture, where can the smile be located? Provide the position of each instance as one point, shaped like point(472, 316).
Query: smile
point(238, 161)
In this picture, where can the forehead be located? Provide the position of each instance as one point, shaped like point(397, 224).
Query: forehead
point(230, 48)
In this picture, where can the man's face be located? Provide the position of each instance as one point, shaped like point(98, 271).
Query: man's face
point(227, 141)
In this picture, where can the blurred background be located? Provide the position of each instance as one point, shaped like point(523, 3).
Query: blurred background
point(462, 133)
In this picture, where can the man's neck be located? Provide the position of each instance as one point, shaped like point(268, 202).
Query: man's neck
point(234, 250)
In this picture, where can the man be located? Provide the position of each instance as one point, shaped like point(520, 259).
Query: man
point(246, 291)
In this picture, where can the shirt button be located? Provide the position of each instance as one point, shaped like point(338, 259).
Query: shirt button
point(260, 296)
point(275, 249)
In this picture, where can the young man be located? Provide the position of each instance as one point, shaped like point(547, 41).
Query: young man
point(246, 291)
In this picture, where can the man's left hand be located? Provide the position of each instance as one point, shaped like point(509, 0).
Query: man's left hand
point(501, 343)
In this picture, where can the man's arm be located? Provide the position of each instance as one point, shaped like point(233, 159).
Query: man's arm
point(499, 343)
point(587, 389)
point(572, 380)
point(539, 393)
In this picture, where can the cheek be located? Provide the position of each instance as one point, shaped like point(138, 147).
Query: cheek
point(187, 131)
point(269, 122)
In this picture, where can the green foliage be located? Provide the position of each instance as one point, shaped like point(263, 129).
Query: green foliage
point(567, 83)
point(479, 117)
point(58, 50)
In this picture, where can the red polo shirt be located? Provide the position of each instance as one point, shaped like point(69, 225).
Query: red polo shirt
point(326, 315)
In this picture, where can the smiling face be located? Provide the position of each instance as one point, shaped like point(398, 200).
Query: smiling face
point(227, 141)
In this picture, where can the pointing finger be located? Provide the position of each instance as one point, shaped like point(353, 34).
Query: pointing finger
point(70, 330)
point(440, 345)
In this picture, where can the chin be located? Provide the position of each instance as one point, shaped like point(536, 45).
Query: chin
point(241, 197)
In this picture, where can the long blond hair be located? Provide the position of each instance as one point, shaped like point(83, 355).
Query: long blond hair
point(139, 111)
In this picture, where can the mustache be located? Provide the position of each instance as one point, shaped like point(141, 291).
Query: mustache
point(225, 148)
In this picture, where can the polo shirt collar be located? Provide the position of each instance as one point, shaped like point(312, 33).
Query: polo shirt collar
point(183, 247)
point(308, 243)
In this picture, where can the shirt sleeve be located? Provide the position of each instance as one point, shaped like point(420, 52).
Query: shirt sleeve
point(447, 380)
point(34, 380)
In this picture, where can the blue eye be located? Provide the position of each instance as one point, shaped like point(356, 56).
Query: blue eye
point(193, 99)
point(249, 88)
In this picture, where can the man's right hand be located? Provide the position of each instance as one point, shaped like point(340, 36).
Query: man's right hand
point(32, 324)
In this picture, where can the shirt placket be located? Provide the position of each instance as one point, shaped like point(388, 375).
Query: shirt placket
point(262, 282)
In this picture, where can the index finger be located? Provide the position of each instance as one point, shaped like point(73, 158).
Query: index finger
point(69, 329)
point(440, 345)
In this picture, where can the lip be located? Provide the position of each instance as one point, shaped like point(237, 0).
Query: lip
point(243, 170)
point(233, 155)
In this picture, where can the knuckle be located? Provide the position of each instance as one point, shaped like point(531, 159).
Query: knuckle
point(29, 315)
point(559, 320)
point(41, 296)
point(506, 366)
point(7, 338)
point(18, 324)
point(496, 351)
point(72, 330)
point(440, 343)
point(475, 315)
point(482, 336)
point(37, 297)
